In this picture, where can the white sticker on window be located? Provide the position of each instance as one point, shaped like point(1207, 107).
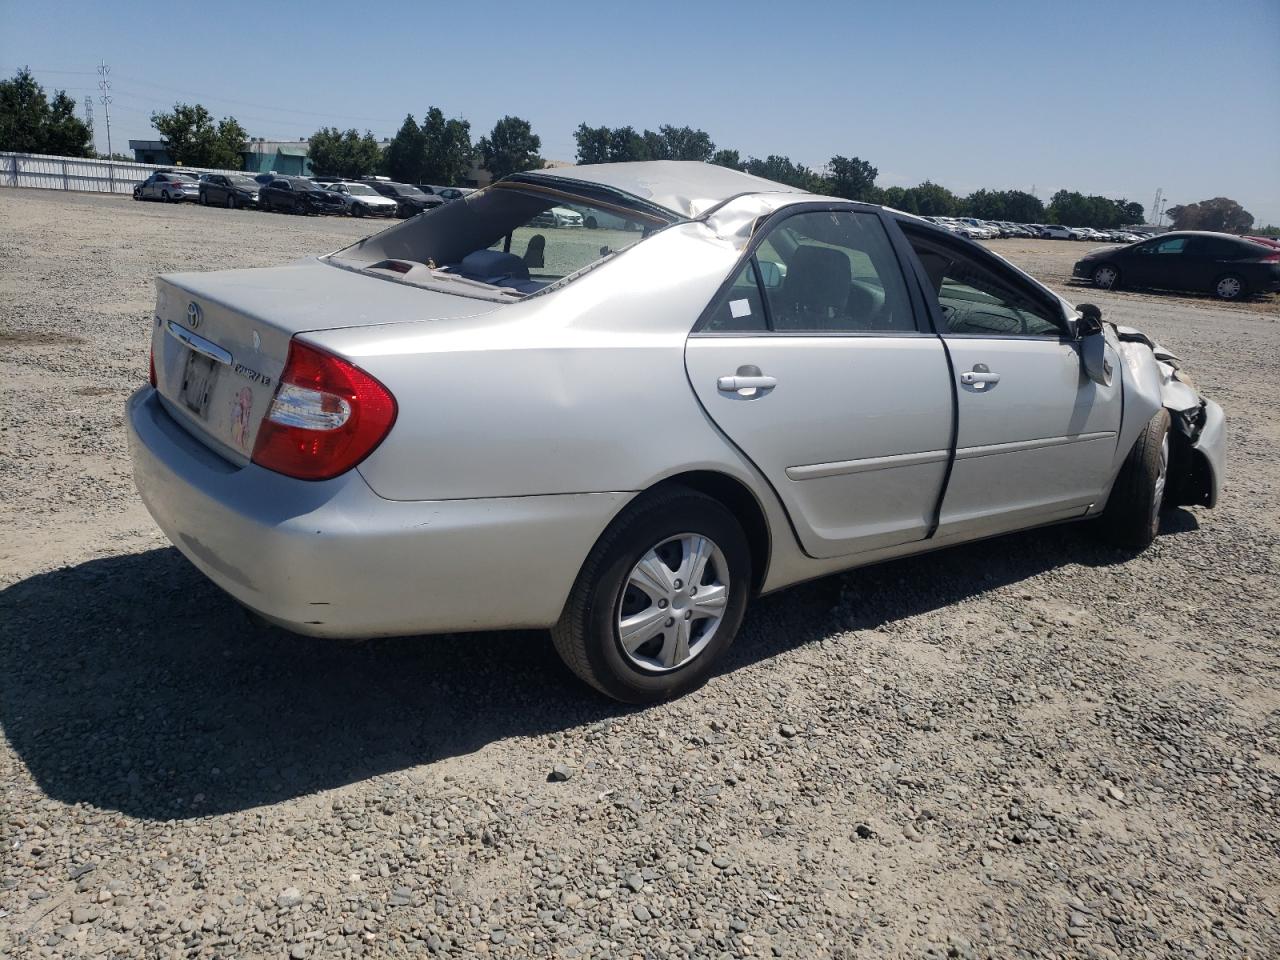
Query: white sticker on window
point(739, 308)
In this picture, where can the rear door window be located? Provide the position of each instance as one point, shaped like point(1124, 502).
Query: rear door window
point(740, 308)
point(833, 272)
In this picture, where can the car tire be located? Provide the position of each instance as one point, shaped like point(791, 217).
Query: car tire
point(164, 195)
point(591, 223)
point(264, 204)
point(660, 533)
point(231, 201)
point(204, 199)
point(357, 210)
point(1229, 286)
point(1132, 516)
point(1107, 277)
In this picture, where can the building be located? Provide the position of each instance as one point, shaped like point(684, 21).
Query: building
point(285, 157)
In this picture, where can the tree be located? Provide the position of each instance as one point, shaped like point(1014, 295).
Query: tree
point(851, 178)
point(1221, 213)
point(679, 143)
point(403, 158)
point(593, 144)
point(785, 170)
point(623, 144)
point(30, 123)
point(447, 150)
point(511, 146)
point(1014, 205)
point(727, 158)
point(896, 197)
point(931, 200)
point(344, 153)
point(192, 138)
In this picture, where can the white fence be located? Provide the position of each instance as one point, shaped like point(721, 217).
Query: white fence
point(75, 173)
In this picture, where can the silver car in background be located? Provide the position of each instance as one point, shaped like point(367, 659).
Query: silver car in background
point(473, 421)
point(168, 186)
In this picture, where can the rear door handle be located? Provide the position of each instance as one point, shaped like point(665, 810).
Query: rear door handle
point(737, 384)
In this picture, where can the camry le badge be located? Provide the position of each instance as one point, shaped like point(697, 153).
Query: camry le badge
point(194, 314)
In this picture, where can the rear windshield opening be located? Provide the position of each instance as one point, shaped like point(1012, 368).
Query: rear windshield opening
point(514, 238)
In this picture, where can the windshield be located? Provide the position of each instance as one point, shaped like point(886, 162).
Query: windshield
point(406, 191)
point(181, 178)
point(360, 190)
point(242, 181)
point(516, 237)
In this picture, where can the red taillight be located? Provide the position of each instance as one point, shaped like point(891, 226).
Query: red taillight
point(151, 364)
point(1270, 258)
point(326, 416)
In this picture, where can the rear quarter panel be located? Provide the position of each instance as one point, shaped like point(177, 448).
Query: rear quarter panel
point(579, 390)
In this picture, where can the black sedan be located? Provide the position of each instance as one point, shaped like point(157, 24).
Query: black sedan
point(1228, 267)
point(229, 190)
point(410, 201)
point(298, 195)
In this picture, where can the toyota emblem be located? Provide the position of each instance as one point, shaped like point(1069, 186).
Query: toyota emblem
point(194, 314)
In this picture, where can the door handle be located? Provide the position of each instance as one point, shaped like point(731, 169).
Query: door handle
point(979, 376)
point(738, 384)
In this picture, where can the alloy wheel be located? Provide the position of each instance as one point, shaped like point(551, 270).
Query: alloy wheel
point(673, 602)
point(1162, 479)
point(1105, 277)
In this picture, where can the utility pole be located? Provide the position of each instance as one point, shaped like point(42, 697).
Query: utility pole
point(104, 84)
point(88, 112)
point(1155, 205)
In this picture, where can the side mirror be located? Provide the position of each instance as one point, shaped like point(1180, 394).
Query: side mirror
point(1093, 345)
point(1090, 321)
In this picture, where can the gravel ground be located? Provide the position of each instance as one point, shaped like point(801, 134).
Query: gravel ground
point(1031, 747)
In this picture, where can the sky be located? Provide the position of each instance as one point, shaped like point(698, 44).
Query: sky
point(1115, 98)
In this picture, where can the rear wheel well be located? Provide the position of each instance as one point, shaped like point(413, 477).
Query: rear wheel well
point(742, 503)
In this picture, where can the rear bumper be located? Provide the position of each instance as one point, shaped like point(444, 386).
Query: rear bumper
point(334, 559)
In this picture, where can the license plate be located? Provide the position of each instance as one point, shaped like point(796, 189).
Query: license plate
point(197, 383)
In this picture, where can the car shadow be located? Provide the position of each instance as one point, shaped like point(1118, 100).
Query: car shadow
point(1083, 284)
point(132, 683)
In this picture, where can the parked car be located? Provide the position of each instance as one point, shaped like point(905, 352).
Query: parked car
point(169, 187)
point(229, 190)
point(361, 200)
point(453, 193)
point(298, 195)
point(410, 201)
point(560, 217)
point(450, 425)
point(1056, 231)
point(1226, 266)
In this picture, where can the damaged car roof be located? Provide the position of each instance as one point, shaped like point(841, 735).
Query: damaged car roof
point(688, 188)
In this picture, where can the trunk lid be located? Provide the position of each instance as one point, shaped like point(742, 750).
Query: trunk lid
point(220, 339)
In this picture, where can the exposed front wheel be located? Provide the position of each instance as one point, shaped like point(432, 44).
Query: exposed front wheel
point(659, 598)
point(1107, 277)
point(1132, 516)
point(1229, 287)
point(164, 195)
point(231, 201)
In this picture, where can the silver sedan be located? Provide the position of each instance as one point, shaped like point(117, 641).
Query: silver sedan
point(167, 186)
point(469, 421)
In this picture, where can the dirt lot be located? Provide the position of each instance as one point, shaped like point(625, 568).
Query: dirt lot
point(1032, 747)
